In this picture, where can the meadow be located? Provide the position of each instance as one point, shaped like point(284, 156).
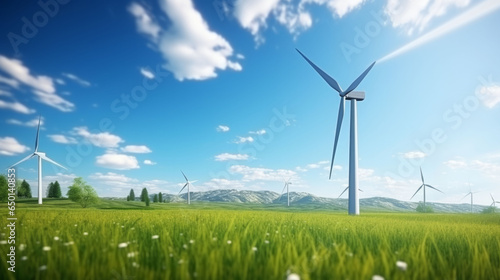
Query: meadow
point(125, 240)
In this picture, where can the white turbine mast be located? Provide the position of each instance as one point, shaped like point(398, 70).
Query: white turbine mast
point(494, 202)
point(188, 184)
point(40, 156)
point(423, 186)
point(353, 96)
point(287, 183)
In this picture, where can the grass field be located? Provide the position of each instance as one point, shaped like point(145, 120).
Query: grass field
point(124, 240)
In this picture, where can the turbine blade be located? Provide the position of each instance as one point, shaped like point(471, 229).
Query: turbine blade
point(183, 188)
point(343, 192)
point(358, 80)
point(416, 191)
point(191, 182)
point(492, 197)
point(331, 81)
point(24, 159)
point(37, 133)
point(283, 190)
point(184, 176)
point(360, 190)
point(465, 196)
point(337, 132)
point(433, 188)
point(44, 157)
point(422, 175)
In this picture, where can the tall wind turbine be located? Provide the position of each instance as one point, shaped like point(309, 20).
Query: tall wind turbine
point(40, 157)
point(188, 184)
point(494, 202)
point(353, 96)
point(471, 198)
point(423, 186)
point(287, 183)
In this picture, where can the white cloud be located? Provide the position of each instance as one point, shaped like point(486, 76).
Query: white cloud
point(413, 15)
point(58, 138)
point(337, 7)
point(264, 174)
point(136, 149)
point(455, 164)
point(60, 81)
point(149, 162)
point(244, 139)
point(31, 123)
point(11, 82)
point(117, 161)
point(222, 128)
point(16, 106)
point(489, 95)
point(227, 156)
point(488, 168)
point(5, 93)
point(191, 49)
point(9, 146)
point(102, 139)
point(253, 14)
point(258, 132)
point(77, 79)
point(414, 154)
point(147, 73)
point(42, 86)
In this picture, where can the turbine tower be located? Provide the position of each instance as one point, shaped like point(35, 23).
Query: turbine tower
point(423, 186)
point(188, 184)
point(287, 183)
point(353, 96)
point(40, 157)
point(471, 198)
point(494, 202)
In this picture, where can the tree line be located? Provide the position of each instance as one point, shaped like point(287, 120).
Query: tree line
point(145, 196)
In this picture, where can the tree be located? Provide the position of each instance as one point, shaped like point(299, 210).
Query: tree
point(24, 190)
point(132, 195)
point(128, 197)
point(144, 194)
point(82, 193)
point(50, 190)
point(155, 198)
point(488, 210)
point(56, 190)
point(424, 208)
point(4, 188)
point(160, 197)
point(147, 201)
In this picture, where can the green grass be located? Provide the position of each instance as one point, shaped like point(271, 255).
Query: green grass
point(266, 242)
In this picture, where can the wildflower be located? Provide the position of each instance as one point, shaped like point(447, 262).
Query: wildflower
point(23, 258)
point(56, 238)
point(229, 242)
point(214, 239)
point(22, 247)
point(3, 241)
point(122, 245)
point(43, 267)
point(402, 265)
point(266, 241)
point(254, 249)
point(134, 264)
point(155, 237)
point(185, 246)
point(131, 254)
point(85, 233)
point(181, 261)
point(75, 225)
point(69, 243)
point(46, 248)
point(181, 234)
point(191, 241)
point(293, 276)
point(349, 254)
point(377, 277)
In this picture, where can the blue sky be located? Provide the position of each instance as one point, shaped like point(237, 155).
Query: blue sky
point(130, 93)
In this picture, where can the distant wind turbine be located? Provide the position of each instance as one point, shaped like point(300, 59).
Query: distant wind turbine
point(40, 157)
point(287, 183)
point(346, 190)
point(188, 184)
point(471, 198)
point(494, 202)
point(353, 96)
point(423, 186)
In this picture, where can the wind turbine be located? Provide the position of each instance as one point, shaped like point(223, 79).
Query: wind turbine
point(188, 184)
point(494, 202)
point(423, 186)
point(287, 183)
point(353, 96)
point(40, 157)
point(471, 198)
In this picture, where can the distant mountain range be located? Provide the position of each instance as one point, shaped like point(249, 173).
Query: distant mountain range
point(302, 199)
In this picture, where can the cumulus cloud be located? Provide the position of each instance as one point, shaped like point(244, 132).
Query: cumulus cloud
point(258, 132)
point(149, 162)
point(455, 164)
point(222, 128)
point(244, 139)
point(10, 147)
point(264, 174)
point(16, 106)
point(147, 73)
point(192, 51)
point(117, 161)
point(141, 149)
point(42, 86)
point(414, 154)
point(489, 95)
point(62, 139)
point(227, 156)
point(102, 139)
point(413, 15)
point(30, 123)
